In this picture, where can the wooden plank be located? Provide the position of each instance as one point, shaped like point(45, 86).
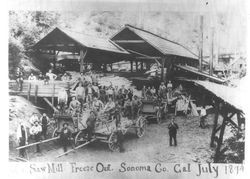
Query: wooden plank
point(29, 145)
point(80, 146)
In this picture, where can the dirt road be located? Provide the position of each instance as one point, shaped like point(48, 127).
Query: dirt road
point(193, 146)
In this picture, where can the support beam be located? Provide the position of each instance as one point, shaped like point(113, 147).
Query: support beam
point(129, 41)
point(29, 89)
point(141, 65)
point(131, 66)
point(36, 91)
point(136, 66)
point(53, 94)
point(162, 68)
point(82, 56)
point(49, 103)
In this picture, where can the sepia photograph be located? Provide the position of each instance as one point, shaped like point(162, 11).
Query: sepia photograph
point(128, 86)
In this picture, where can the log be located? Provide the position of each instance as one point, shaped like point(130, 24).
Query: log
point(80, 146)
point(43, 141)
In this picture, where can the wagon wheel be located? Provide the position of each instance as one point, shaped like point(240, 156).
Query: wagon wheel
point(80, 138)
point(141, 127)
point(113, 142)
point(55, 134)
point(158, 116)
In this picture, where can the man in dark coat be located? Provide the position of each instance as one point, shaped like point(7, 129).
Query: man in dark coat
point(91, 124)
point(172, 132)
point(120, 138)
point(65, 136)
point(45, 123)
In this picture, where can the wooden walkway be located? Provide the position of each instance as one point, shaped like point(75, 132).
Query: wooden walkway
point(39, 89)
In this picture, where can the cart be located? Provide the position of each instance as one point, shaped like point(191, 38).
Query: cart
point(153, 109)
point(105, 128)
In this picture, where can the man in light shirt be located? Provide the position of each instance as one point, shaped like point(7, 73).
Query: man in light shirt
point(80, 94)
point(32, 77)
point(36, 131)
point(51, 75)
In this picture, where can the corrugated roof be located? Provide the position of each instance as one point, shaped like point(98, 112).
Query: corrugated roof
point(162, 44)
point(228, 94)
point(92, 42)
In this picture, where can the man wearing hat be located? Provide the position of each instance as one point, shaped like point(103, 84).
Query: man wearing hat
point(136, 104)
point(65, 136)
point(91, 124)
point(74, 106)
point(172, 127)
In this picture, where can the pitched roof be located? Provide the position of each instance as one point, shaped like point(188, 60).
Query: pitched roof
point(88, 41)
point(228, 94)
point(162, 44)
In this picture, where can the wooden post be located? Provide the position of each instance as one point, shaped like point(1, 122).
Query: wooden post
point(54, 60)
point(201, 43)
point(220, 140)
point(215, 125)
point(29, 89)
point(162, 68)
point(136, 66)
point(36, 91)
point(111, 66)
point(131, 66)
point(141, 65)
point(82, 56)
point(53, 94)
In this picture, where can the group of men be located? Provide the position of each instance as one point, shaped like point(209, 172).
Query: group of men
point(49, 76)
point(38, 130)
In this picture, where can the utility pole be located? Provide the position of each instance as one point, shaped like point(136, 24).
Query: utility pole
point(201, 43)
point(211, 59)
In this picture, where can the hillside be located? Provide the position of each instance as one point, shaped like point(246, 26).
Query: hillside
point(27, 27)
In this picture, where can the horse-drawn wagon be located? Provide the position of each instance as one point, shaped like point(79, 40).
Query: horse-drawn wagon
point(105, 129)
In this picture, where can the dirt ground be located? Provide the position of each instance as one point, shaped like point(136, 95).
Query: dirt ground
point(193, 146)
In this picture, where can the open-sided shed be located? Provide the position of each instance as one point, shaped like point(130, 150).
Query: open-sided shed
point(91, 49)
point(149, 47)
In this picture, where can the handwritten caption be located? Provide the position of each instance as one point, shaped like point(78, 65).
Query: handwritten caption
point(198, 169)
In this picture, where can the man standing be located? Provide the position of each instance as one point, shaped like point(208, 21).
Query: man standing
point(22, 139)
point(203, 115)
point(51, 75)
point(45, 123)
point(172, 127)
point(32, 77)
point(91, 124)
point(65, 136)
point(74, 106)
point(36, 131)
point(80, 94)
point(120, 138)
point(19, 79)
point(62, 99)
